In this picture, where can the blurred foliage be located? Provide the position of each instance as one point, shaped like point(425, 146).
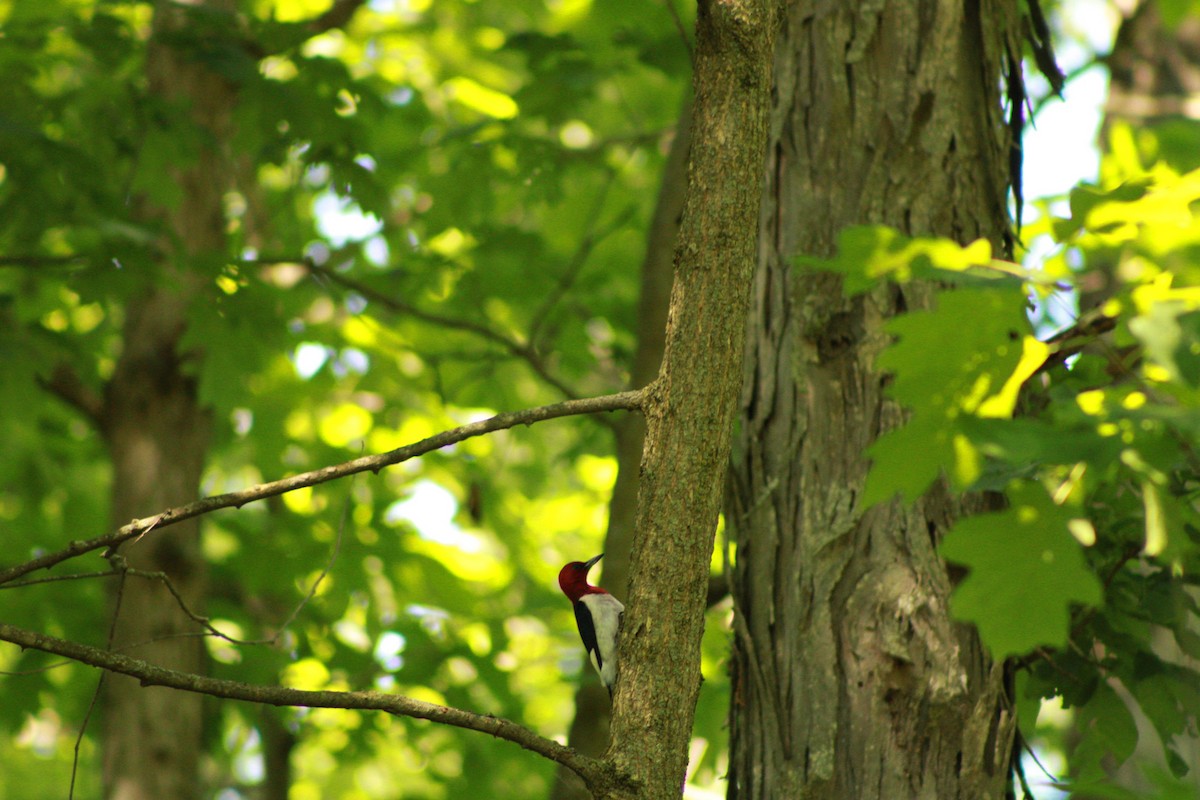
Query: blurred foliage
point(1089, 432)
point(438, 213)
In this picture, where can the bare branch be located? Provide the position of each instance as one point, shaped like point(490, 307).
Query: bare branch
point(41, 261)
point(337, 16)
point(111, 573)
point(515, 347)
point(593, 235)
point(681, 29)
point(112, 632)
point(593, 771)
point(623, 401)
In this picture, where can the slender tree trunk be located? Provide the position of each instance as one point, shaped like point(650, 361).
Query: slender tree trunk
point(593, 709)
point(277, 746)
point(849, 678)
point(690, 408)
point(157, 436)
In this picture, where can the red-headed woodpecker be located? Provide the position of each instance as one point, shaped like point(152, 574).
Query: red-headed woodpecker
point(598, 615)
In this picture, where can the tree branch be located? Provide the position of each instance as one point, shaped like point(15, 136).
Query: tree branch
point(593, 235)
point(515, 347)
point(65, 384)
point(623, 401)
point(41, 261)
point(593, 771)
point(336, 17)
point(297, 33)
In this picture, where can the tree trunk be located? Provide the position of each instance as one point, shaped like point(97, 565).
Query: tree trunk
point(157, 436)
point(589, 731)
point(277, 746)
point(690, 408)
point(849, 678)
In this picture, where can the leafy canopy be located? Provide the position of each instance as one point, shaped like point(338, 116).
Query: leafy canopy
point(433, 213)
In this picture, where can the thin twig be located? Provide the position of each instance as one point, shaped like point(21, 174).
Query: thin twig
point(312, 590)
point(592, 235)
point(683, 36)
point(87, 716)
point(514, 346)
point(78, 576)
point(206, 622)
point(41, 261)
point(19, 673)
point(622, 401)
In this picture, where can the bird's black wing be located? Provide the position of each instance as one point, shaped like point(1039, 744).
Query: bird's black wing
point(587, 631)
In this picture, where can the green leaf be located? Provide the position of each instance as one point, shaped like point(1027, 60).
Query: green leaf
point(907, 460)
point(958, 354)
point(1026, 570)
point(1171, 335)
point(949, 363)
point(1107, 729)
point(1188, 641)
point(1168, 697)
point(869, 254)
point(1086, 198)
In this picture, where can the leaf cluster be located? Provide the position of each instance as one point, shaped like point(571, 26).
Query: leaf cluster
point(1086, 429)
point(433, 213)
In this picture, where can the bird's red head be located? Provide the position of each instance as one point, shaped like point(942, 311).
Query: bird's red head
point(572, 579)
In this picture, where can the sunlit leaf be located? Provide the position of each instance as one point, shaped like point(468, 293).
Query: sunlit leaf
point(1026, 572)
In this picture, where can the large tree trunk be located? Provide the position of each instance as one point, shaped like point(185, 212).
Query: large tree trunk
point(849, 678)
point(157, 436)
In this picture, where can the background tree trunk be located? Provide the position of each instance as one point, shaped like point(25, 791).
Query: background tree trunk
point(849, 678)
point(157, 436)
point(1154, 80)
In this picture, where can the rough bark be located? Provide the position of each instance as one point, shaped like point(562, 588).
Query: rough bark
point(690, 408)
point(849, 678)
point(589, 731)
point(157, 437)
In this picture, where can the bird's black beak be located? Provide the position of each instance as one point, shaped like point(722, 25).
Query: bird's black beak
point(592, 562)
